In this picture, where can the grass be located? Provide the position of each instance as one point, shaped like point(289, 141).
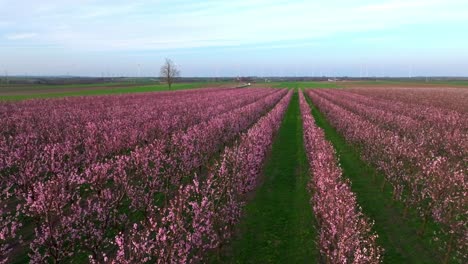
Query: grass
point(108, 91)
point(398, 235)
point(278, 226)
point(60, 86)
point(302, 85)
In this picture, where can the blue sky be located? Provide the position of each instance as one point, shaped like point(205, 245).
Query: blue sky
point(229, 38)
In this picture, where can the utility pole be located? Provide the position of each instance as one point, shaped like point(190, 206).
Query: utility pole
point(139, 71)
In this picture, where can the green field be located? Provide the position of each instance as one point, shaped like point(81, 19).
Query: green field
point(303, 85)
point(23, 92)
point(61, 86)
point(88, 89)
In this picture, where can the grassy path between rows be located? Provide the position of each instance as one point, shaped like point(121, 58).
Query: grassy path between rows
point(278, 222)
point(397, 235)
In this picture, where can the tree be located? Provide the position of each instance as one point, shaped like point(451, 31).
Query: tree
point(169, 72)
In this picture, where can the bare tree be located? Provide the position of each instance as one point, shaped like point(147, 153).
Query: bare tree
point(169, 72)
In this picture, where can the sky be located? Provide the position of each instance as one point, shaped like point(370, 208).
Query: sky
point(235, 38)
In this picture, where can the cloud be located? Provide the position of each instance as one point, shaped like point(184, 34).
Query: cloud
point(108, 29)
point(182, 24)
point(399, 4)
point(20, 36)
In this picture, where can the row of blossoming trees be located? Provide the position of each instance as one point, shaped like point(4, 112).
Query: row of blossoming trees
point(162, 177)
point(345, 234)
point(202, 213)
point(130, 178)
point(420, 146)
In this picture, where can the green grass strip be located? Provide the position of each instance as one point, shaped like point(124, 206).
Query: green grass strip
point(398, 235)
point(278, 226)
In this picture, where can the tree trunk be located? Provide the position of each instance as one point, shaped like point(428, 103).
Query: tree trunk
point(423, 227)
point(449, 249)
point(382, 187)
point(405, 210)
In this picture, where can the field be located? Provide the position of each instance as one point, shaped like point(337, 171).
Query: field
point(22, 92)
point(286, 172)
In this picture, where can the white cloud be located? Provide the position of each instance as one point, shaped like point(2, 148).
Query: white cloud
point(158, 27)
point(149, 24)
point(399, 4)
point(20, 36)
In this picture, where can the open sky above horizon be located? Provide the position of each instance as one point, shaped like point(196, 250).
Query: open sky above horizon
point(230, 38)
